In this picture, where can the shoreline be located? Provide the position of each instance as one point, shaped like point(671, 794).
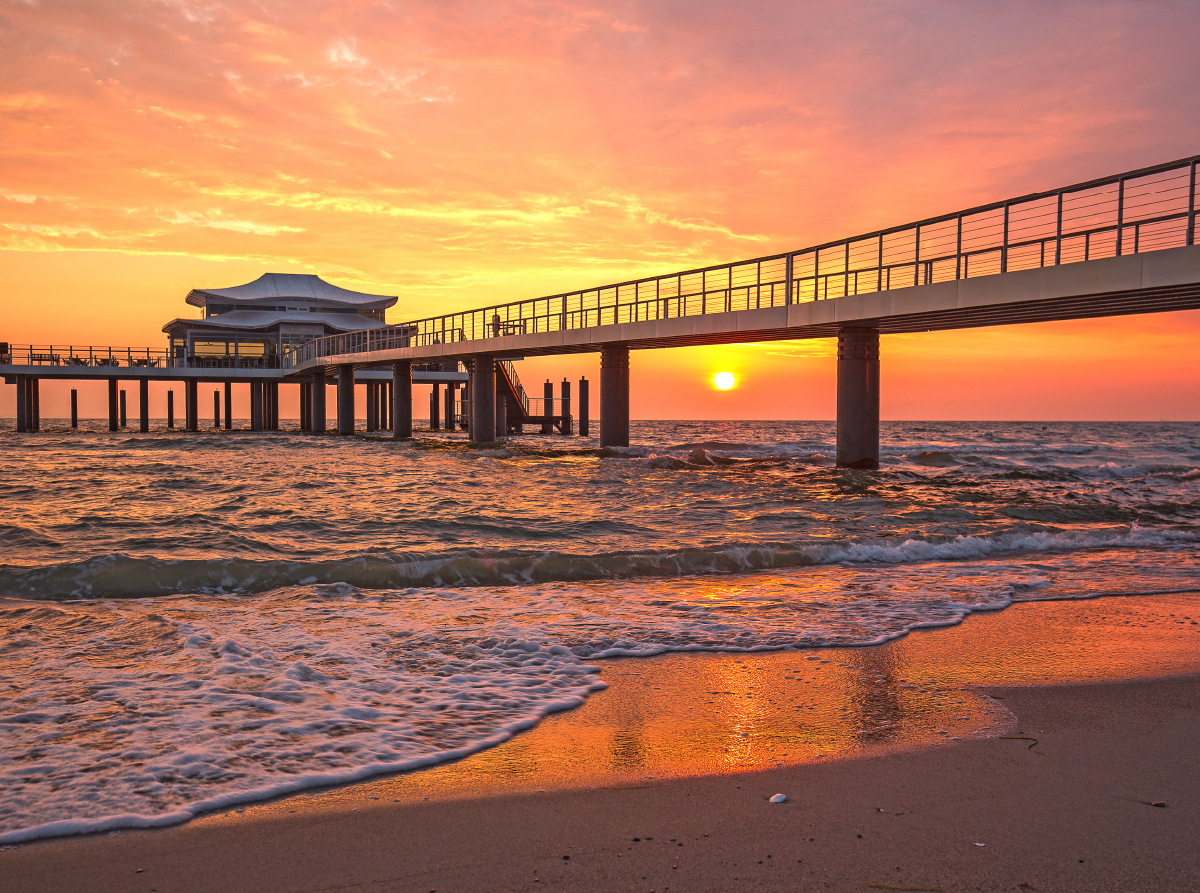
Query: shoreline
point(1118, 716)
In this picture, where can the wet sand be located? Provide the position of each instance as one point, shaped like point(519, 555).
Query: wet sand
point(686, 749)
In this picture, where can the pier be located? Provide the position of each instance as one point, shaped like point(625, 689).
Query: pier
point(1123, 244)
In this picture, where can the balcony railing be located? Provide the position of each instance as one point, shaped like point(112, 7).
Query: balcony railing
point(1143, 210)
point(127, 357)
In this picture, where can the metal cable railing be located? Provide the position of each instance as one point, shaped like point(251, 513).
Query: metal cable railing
point(1143, 210)
point(130, 357)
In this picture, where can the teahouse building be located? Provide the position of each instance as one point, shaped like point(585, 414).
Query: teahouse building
point(251, 325)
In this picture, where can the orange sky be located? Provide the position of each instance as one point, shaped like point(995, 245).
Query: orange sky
point(459, 154)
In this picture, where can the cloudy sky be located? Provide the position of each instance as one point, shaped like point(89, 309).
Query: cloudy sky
point(463, 153)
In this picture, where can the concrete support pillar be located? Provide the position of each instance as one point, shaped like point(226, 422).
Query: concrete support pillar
point(548, 408)
point(435, 409)
point(143, 405)
point(305, 404)
point(74, 408)
point(501, 412)
point(614, 396)
point(858, 398)
point(191, 398)
point(345, 399)
point(35, 403)
point(22, 403)
point(372, 407)
point(256, 406)
point(583, 407)
point(170, 410)
point(229, 406)
point(272, 391)
point(112, 404)
point(319, 412)
point(216, 409)
point(402, 400)
point(483, 399)
point(567, 426)
point(449, 407)
point(124, 413)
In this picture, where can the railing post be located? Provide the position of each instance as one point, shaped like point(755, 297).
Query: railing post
point(917, 258)
point(1058, 233)
point(1191, 227)
point(958, 251)
point(1004, 245)
point(787, 279)
point(1120, 216)
point(879, 267)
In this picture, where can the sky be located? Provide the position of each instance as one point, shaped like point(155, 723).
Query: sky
point(458, 154)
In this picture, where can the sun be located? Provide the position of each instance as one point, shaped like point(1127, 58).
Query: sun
point(724, 381)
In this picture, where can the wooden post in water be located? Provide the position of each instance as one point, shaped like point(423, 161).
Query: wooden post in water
point(567, 427)
point(547, 408)
point(170, 410)
point(583, 407)
point(74, 408)
point(191, 400)
point(112, 404)
point(229, 406)
point(143, 405)
point(216, 409)
point(22, 403)
point(124, 417)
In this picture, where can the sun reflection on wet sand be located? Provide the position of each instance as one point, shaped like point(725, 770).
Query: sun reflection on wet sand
point(680, 715)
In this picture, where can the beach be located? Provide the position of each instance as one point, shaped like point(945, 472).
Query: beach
point(1072, 735)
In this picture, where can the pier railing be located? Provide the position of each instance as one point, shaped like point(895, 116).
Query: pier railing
point(1137, 211)
point(128, 357)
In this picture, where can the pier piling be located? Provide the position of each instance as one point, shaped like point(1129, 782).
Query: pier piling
point(35, 404)
point(583, 407)
point(450, 421)
point(170, 410)
point(548, 408)
point(372, 407)
point(566, 428)
point(614, 396)
point(144, 405)
point(216, 409)
point(112, 404)
point(319, 421)
point(229, 406)
point(402, 400)
point(74, 408)
point(22, 403)
point(858, 397)
point(483, 398)
point(191, 404)
point(124, 417)
point(345, 399)
point(256, 406)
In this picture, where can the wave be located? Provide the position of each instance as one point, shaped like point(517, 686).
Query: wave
point(121, 575)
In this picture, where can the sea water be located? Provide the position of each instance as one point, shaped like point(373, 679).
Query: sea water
point(190, 621)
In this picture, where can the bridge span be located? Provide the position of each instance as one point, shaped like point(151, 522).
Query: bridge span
point(1123, 244)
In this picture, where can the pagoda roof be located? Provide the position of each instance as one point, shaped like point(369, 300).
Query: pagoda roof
point(303, 286)
point(253, 320)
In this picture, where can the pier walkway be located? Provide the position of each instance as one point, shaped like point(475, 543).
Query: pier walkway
point(1122, 244)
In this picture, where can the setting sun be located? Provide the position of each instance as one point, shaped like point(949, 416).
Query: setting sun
point(724, 381)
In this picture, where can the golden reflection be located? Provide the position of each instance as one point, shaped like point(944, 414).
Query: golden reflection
point(679, 715)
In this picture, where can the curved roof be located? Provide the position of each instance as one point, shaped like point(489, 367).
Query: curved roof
point(290, 285)
point(250, 319)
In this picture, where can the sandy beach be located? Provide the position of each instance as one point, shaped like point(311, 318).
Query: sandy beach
point(1023, 750)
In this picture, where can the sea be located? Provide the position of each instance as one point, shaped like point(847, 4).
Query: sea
point(191, 621)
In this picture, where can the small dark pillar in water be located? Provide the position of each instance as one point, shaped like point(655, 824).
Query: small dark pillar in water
point(319, 412)
point(256, 405)
point(192, 400)
point(548, 408)
point(112, 405)
point(216, 409)
point(614, 396)
point(345, 399)
point(402, 400)
point(74, 408)
point(583, 407)
point(858, 397)
point(451, 387)
point(143, 405)
point(271, 391)
point(483, 399)
point(35, 404)
point(435, 412)
point(22, 403)
point(229, 406)
point(372, 407)
point(170, 410)
point(124, 416)
point(305, 405)
point(567, 426)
